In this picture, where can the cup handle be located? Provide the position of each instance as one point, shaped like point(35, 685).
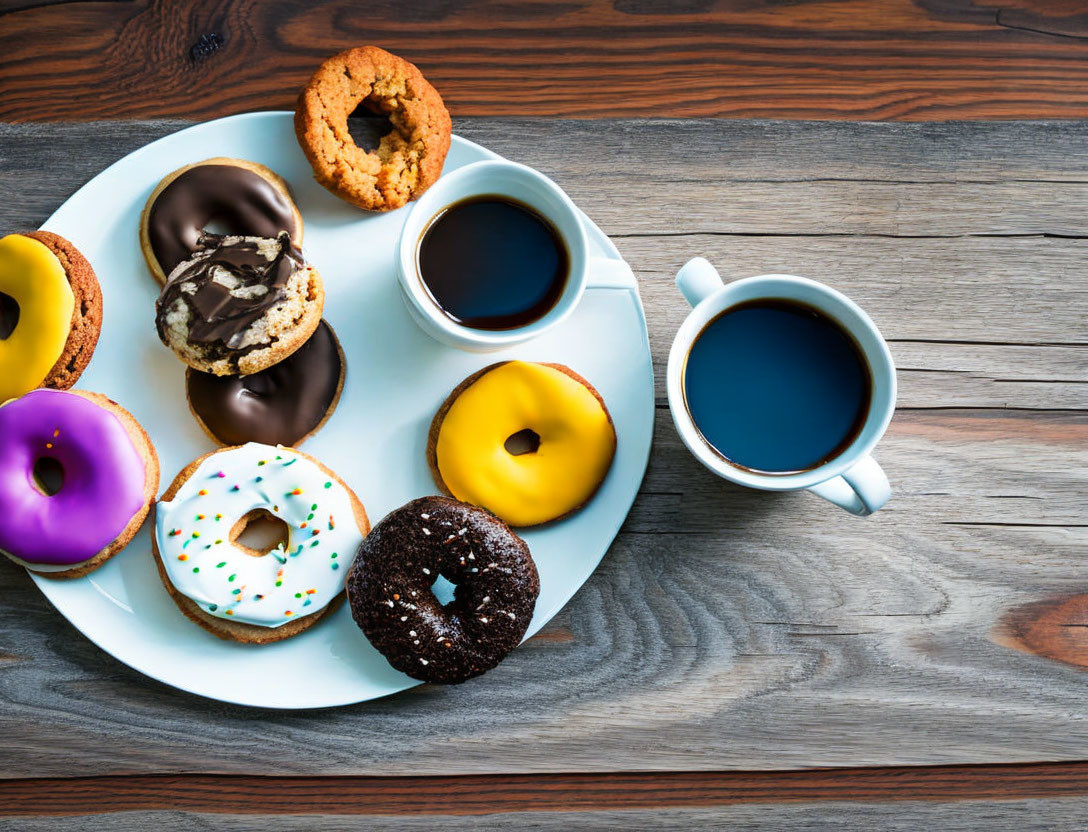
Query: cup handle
point(861, 489)
point(698, 280)
point(607, 273)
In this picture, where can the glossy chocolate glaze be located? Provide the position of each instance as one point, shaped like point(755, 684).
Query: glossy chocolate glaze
point(280, 405)
point(258, 269)
point(237, 199)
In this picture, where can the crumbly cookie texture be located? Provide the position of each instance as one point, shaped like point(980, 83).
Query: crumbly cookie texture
point(281, 330)
point(86, 314)
point(408, 160)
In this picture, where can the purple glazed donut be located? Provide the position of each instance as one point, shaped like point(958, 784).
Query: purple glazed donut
point(110, 475)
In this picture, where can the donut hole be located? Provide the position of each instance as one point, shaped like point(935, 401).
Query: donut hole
point(219, 227)
point(48, 475)
point(9, 315)
point(368, 127)
point(443, 590)
point(523, 442)
point(259, 532)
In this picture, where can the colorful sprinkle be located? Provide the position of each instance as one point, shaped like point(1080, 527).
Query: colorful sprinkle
point(335, 566)
point(175, 532)
point(220, 474)
point(292, 462)
point(328, 485)
point(262, 462)
point(235, 488)
point(230, 612)
point(332, 523)
point(56, 433)
point(315, 532)
point(288, 612)
point(196, 569)
point(219, 517)
point(217, 542)
point(236, 592)
point(196, 534)
point(220, 565)
point(232, 577)
point(213, 607)
point(259, 479)
point(333, 556)
point(314, 543)
point(49, 444)
point(294, 492)
point(200, 517)
point(202, 492)
point(183, 556)
point(312, 591)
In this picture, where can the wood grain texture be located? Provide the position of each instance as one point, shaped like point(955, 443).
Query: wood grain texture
point(517, 794)
point(879, 59)
point(726, 629)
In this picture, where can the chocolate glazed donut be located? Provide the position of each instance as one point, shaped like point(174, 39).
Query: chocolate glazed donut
point(278, 406)
point(389, 589)
point(244, 198)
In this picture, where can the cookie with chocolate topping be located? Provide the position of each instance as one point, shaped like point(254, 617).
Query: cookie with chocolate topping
point(239, 304)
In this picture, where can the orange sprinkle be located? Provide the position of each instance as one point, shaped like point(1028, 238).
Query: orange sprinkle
point(310, 591)
point(396, 597)
point(303, 526)
point(203, 492)
point(183, 557)
point(297, 491)
point(230, 612)
point(315, 532)
point(49, 444)
point(288, 612)
point(56, 433)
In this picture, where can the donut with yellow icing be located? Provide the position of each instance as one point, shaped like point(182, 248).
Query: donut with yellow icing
point(473, 448)
point(50, 313)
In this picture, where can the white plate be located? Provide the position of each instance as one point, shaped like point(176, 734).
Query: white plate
point(396, 378)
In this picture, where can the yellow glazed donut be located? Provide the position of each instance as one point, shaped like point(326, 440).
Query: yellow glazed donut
point(468, 451)
point(33, 276)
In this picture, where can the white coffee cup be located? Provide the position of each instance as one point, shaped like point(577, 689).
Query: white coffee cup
point(521, 184)
point(852, 480)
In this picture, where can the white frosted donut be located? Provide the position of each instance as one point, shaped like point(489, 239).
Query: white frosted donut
point(192, 533)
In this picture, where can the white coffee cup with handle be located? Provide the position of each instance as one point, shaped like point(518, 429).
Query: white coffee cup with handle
point(851, 479)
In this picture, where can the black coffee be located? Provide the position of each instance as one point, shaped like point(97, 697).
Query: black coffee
point(776, 386)
point(492, 263)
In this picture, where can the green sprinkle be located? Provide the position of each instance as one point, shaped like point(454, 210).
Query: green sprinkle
point(314, 543)
point(212, 607)
point(279, 457)
point(310, 516)
point(218, 542)
point(336, 566)
point(236, 592)
point(279, 583)
point(220, 565)
point(196, 568)
point(313, 507)
point(262, 462)
point(328, 485)
point(232, 577)
point(333, 555)
point(292, 462)
point(298, 594)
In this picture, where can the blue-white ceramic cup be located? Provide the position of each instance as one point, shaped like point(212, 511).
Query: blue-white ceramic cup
point(852, 480)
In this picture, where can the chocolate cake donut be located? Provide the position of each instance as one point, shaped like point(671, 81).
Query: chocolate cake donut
point(389, 589)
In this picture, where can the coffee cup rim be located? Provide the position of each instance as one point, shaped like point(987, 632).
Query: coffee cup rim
point(493, 177)
point(828, 301)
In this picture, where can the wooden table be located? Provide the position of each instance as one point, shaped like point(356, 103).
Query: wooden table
point(739, 658)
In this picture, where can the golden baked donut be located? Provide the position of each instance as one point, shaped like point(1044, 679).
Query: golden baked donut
point(560, 421)
point(407, 161)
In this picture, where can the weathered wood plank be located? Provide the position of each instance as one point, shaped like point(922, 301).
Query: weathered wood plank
point(726, 628)
point(832, 59)
point(520, 799)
